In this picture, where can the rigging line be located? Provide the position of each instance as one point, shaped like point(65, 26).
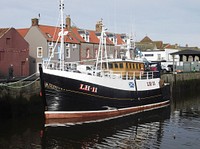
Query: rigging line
point(53, 51)
point(13, 87)
point(56, 27)
point(104, 58)
point(55, 30)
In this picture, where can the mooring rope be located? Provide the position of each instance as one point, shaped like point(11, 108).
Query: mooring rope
point(18, 87)
point(10, 85)
point(22, 79)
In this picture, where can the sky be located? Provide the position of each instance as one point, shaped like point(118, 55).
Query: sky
point(170, 21)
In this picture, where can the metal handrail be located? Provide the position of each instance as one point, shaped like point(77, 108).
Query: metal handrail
point(125, 75)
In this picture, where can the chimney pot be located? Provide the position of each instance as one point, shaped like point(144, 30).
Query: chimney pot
point(35, 22)
point(99, 26)
point(68, 22)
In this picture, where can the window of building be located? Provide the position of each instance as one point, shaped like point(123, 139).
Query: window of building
point(96, 53)
point(51, 52)
point(50, 44)
point(48, 35)
point(8, 40)
point(74, 45)
point(67, 53)
point(88, 53)
point(51, 65)
point(67, 45)
point(87, 38)
point(39, 52)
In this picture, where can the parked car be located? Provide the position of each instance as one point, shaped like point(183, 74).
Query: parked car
point(166, 67)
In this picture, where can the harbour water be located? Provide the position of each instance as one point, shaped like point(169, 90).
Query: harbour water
point(176, 126)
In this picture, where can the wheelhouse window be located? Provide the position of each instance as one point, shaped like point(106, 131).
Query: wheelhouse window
point(116, 65)
point(121, 65)
point(127, 65)
point(104, 65)
point(142, 66)
point(136, 66)
point(130, 65)
point(110, 65)
point(133, 66)
point(39, 52)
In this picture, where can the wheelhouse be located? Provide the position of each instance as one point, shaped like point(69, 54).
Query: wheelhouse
point(126, 68)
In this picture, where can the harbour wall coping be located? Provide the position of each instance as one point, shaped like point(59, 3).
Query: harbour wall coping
point(178, 77)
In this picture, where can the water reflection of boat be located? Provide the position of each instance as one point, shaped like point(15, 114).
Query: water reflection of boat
point(115, 87)
point(140, 130)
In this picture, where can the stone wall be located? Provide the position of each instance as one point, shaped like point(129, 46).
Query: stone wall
point(174, 78)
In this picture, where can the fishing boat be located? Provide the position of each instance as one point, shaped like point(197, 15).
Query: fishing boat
point(112, 88)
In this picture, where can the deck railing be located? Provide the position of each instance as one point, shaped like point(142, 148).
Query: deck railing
point(125, 75)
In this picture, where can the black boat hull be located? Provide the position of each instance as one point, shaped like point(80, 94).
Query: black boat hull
point(74, 101)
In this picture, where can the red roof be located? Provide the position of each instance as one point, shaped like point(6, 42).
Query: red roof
point(93, 37)
point(77, 35)
point(51, 34)
point(119, 39)
point(73, 36)
point(23, 31)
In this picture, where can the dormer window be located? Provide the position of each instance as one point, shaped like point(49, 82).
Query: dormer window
point(112, 37)
point(85, 35)
point(48, 35)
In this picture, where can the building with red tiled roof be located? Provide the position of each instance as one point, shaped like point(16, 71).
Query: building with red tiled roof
point(14, 50)
point(43, 44)
point(80, 44)
point(89, 41)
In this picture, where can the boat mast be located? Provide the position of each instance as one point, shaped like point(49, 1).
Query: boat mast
point(129, 47)
point(61, 6)
point(102, 47)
